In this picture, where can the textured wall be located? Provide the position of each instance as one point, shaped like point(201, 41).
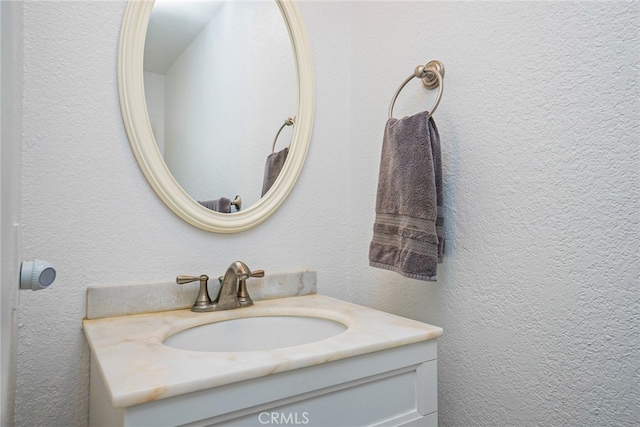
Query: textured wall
point(539, 295)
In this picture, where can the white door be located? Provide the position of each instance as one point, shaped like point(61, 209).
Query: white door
point(10, 174)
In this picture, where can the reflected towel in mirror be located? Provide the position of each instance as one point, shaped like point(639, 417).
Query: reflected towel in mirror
point(408, 233)
point(272, 168)
point(222, 205)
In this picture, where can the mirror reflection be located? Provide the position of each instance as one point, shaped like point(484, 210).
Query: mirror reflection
point(220, 81)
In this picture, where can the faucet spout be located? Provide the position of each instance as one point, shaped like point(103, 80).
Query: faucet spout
point(228, 296)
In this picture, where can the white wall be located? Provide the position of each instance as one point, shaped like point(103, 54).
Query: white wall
point(538, 294)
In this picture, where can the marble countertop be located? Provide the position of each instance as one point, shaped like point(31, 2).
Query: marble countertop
point(137, 368)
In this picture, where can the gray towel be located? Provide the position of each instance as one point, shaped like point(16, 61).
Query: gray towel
point(272, 168)
point(222, 205)
point(408, 233)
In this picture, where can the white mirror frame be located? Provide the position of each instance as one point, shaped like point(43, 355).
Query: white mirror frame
point(145, 149)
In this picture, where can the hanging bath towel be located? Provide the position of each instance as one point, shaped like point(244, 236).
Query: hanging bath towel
point(408, 234)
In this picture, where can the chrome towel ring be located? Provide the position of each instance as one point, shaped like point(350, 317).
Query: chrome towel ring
point(288, 122)
point(432, 76)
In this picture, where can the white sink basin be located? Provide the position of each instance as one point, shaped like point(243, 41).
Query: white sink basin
point(255, 333)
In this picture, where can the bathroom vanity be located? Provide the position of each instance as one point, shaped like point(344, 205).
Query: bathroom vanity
point(372, 368)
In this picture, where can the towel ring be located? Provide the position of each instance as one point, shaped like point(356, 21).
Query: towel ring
point(288, 122)
point(432, 76)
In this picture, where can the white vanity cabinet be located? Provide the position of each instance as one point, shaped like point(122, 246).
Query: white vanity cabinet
point(395, 387)
point(381, 370)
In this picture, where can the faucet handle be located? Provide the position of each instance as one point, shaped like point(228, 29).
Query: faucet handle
point(203, 302)
point(182, 279)
point(257, 273)
point(243, 296)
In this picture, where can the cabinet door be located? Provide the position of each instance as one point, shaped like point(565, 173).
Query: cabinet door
point(396, 398)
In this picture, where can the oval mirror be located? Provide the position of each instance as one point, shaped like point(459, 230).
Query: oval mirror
point(203, 117)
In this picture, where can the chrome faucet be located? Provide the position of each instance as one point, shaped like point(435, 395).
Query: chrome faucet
point(233, 289)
